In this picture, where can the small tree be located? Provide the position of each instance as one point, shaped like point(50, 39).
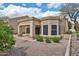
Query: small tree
point(6, 37)
point(72, 11)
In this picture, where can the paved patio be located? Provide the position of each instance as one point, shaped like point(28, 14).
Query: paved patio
point(25, 46)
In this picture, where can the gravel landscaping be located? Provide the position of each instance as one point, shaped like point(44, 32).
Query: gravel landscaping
point(75, 46)
point(28, 47)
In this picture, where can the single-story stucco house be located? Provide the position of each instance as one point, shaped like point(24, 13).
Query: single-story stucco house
point(47, 26)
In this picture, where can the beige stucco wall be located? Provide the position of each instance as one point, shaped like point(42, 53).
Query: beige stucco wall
point(29, 21)
point(66, 28)
point(24, 23)
point(20, 26)
point(14, 22)
point(49, 23)
point(37, 22)
point(63, 26)
point(31, 24)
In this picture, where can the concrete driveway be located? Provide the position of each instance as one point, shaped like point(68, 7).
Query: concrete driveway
point(27, 47)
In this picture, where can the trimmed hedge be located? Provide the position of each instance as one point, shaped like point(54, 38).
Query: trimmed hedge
point(56, 39)
point(47, 39)
point(39, 38)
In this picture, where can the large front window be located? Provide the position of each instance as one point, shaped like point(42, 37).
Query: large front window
point(45, 29)
point(53, 29)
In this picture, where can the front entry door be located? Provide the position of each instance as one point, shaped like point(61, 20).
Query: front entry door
point(37, 30)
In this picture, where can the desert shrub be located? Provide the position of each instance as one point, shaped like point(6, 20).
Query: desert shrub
point(39, 38)
point(47, 39)
point(6, 37)
point(56, 39)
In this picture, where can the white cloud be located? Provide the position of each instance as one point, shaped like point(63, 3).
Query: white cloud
point(38, 4)
point(50, 5)
point(23, 4)
point(50, 13)
point(53, 5)
point(57, 5)
point(15, 11)
point(12, 10)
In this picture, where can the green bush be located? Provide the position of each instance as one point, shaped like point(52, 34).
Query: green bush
point(39, 38)
point(47, 39)
point(6, 37)
point(68, 32)
point(56, 39)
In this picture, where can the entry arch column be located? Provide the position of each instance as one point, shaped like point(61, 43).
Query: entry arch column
point(32, 28)
point(19, 30)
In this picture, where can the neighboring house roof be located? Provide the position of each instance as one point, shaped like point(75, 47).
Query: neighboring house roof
point(17, 18)
point(53, 18)
point(27, 18)
point(22, 18)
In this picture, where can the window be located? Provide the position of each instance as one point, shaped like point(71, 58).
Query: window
point(53, 29)
point(27, 30)
point(45, 29)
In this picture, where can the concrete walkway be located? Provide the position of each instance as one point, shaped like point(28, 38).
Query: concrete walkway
point(33, 48)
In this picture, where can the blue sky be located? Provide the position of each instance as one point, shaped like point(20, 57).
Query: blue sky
point(30, 9)
point(43, 6)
